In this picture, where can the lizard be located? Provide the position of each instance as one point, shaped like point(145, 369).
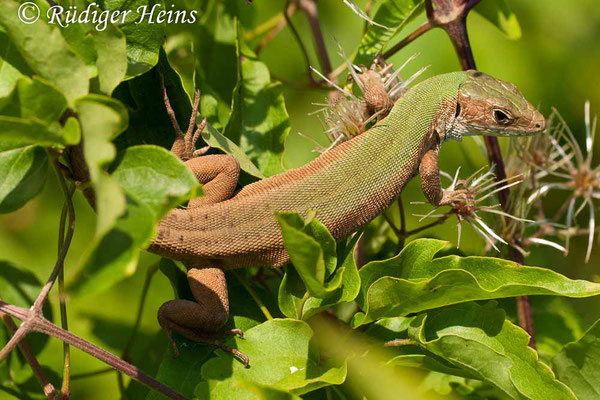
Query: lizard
point(347, 186)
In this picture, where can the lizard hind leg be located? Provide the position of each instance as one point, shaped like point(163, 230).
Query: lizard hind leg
point(201, 320)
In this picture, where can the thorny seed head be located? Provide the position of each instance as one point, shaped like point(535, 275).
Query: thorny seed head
point(348, 115)
point(556, 161)
point(472, 197)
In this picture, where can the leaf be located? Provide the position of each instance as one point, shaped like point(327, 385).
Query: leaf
point(216, 140)
point(12, 65)
point(102, 119)
point(282, 357)
point(259, 122)
point(34, 98)
point(156, 177)
point(46, 52)
point(410, 354)
point(394, 15)
point(481, 341)
point(312, 252)
point(414, 281)
point(30, 114)
point(499, 13)
point(143, 40)
point(153, 181)
point(111, 60)
point(292, 292)
point(19, 132)
point(578, 364)
point(22, 176)
point(114, 255)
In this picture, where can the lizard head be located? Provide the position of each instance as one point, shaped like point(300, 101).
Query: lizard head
point(489, 106)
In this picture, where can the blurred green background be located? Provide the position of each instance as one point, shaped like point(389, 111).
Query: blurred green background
point(555, 63)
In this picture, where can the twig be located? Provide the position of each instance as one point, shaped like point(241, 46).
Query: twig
point(33, 319)
point(424, 27)
point(312, 14)
point(40, 300)
point(49, 390)
point(38, 323)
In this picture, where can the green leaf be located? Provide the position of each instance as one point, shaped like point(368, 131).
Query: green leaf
point(143, 40)
point(154, 181)
point(102, 119)
point(295, 302)
point(12, 65)
point(30, 114)
point(215, 139)
point(499, 13)
point(114, 255)
point(481, 341)
point(111, 60)
point(578, 364)
point(259, 122)
point(156, 177)
point(312, 252)
point(19, 132)
point(282, 357)
point(46, 52)
point(394, 15)
point(414, 281)
point(34, 98)
point(22, 176)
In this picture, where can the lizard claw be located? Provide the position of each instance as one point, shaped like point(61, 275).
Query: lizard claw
point(184, 144)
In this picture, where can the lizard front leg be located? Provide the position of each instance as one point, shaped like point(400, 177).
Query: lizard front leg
point(430, 180)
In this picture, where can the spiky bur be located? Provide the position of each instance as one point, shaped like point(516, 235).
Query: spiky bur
point(346, 115)
point(471, 199)
point(557, 162)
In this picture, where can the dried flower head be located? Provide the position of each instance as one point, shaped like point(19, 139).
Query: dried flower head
point(567, 168)
point(472, 197)
point(344, 116)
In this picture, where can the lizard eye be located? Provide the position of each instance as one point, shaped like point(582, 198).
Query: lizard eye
point(457, 113)
point(501, 117)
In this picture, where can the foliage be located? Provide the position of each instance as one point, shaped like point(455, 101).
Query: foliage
point(86, 106)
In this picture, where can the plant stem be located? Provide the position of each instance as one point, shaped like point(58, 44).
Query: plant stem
point(312, 15)
point(66, 383)
point(40, 324)
point(49, 390)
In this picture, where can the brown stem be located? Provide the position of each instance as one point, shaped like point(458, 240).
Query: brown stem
point(40, 324)
point(312, 15)
point(424, 27)
point(49, 390)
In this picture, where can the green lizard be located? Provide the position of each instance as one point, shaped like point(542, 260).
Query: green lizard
point(348, 186)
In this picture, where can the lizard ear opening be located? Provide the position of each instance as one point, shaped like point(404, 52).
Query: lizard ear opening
point(458, 109)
